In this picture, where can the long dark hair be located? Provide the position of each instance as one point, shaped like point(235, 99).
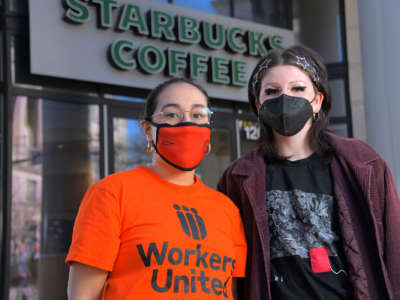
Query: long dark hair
point(152, 98)
point(318, 75)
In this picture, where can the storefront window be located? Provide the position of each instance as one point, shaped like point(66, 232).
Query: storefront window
point(19, 6)
point(339, 129)
point(220, 7)
point(276, 13)
point(248, 130)
point(1, 56)
point(338, 108)
point(126, 98)
point(214, 164)
point(324, 16)
point(55, 157)
point(1, 145)
point(130, 145)
point(338, 113)
point(1, 116)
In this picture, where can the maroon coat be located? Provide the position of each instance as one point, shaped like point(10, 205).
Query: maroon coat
point(369, 218)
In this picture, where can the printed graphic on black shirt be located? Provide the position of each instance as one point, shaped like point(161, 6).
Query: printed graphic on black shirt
point(300, 221)
point(307, 260)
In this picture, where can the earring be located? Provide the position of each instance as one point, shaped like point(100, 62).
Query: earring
point(315, 116)
point(150, 148)
point(209, 149)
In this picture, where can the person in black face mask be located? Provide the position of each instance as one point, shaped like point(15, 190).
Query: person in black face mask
point(321, 212)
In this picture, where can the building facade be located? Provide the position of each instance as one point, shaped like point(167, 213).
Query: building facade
point(73, 82)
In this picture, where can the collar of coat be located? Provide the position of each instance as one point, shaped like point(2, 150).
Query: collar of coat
point(354, 152)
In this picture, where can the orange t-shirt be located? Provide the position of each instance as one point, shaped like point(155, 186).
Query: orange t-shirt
point(159, 240)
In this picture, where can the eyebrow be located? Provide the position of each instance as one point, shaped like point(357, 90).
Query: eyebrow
point(296, 81)
point(176, 105)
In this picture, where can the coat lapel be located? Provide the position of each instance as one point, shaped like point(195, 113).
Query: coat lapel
point(255, 189)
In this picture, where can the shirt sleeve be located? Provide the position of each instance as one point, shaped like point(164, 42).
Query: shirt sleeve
point(97, 228)
point(240, 246)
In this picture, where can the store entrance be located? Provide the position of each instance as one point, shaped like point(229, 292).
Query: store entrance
point(127, 143)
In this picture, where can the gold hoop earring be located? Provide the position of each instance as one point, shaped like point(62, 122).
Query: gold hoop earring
point(209, 149)
point(150, 148)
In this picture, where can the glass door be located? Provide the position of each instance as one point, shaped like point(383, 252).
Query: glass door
point(55, 158)
point(127, 142)
point(248, 133)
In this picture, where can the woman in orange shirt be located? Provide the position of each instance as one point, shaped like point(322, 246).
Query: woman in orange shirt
point(158, 232)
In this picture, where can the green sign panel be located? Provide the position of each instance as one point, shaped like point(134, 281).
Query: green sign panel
point(141, 43)
point(173, 29)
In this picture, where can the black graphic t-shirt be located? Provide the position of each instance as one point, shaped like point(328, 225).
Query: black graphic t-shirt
point(307, 260)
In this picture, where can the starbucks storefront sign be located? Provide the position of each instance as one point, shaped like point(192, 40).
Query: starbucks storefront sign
point(142, 43)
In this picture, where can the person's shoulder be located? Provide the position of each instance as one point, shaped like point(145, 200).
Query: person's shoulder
point(219, 198)
point(117, 180)
point(246, 162)
point(353, 149)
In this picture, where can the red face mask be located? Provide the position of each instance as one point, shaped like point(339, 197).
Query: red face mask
point(183, 145)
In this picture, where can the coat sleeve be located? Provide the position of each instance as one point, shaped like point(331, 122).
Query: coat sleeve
point(391, 221)
point(228, 185)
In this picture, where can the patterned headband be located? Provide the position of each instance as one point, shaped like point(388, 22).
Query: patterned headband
point(263, 66)
point(300, 61)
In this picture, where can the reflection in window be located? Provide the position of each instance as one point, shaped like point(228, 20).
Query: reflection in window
point(276, 13)
point(1, 56)
point(324, 16)
point(19, 6)
point(338, 108)
point(130, 145)
point(220, 7)
point(214, 164)
point(1, 117)
point(249, 133)
point(126, 98)
point(55, 157)
point(339, 129)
